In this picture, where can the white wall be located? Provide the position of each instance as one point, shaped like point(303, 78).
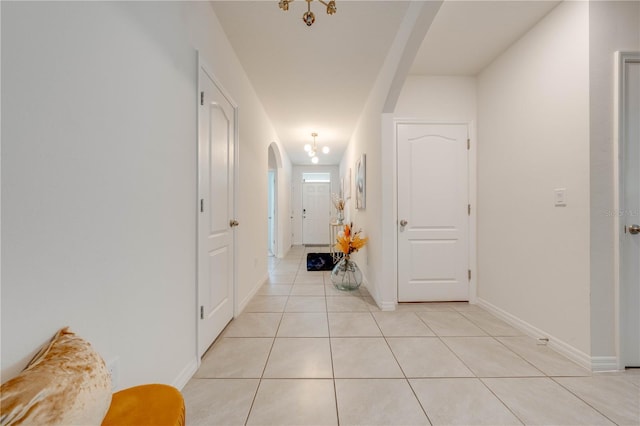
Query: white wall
point(296, 186)
point(377, 259)
point(613, 25)
point(533, 130)
point(256, 134)
point(99, 179)
point(438, 99)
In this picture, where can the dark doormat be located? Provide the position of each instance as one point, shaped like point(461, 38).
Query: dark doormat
point(319, 262)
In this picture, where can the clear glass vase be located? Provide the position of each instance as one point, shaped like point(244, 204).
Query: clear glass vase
point(340, 218)
point(346, 275)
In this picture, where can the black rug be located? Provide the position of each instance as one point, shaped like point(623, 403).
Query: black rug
point(319, 262)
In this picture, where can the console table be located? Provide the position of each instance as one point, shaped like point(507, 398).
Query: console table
point(334, 230)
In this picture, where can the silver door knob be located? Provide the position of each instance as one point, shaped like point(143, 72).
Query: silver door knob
point(634, 229)
point(233, 223)
point(403, 222)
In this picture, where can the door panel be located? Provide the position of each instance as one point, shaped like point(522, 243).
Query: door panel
point(433, 194)
point(216, 121)
point(630, 215)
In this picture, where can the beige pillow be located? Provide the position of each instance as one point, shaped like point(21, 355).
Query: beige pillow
point(67, 383)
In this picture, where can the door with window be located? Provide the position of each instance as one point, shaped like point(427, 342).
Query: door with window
point(433, 215)
point(316, 212)
point(216, 133)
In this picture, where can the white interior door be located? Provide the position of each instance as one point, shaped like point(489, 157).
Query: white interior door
point(433, 197)
point(316, 212)
point(630, 218)
point(216, 123)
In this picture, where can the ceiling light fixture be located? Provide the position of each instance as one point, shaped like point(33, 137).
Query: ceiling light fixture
point(312, 150)
point(309, 18)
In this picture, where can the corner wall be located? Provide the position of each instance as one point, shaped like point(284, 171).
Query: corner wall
point(371, 137)
point(533, 132)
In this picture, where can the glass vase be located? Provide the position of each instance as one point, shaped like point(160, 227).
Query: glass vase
point(346, 275)
point(340, 218)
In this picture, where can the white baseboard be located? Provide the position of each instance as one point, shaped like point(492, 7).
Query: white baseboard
point(387, 306)
point(185, 375)
point(244, 302)
point(574, 354)
point(384, 305)
point(604, 363)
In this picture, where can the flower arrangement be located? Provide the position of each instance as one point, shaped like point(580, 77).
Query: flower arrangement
point(338, 203)
point(350, 242)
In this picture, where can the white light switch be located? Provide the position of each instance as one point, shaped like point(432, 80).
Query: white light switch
point(561, 197)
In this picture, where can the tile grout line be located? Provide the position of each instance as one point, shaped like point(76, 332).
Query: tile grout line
point(578, 396)
point(406, 379)
point(273, 342)
point(473, 372)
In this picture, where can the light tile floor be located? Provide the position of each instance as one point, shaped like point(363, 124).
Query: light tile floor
point(304, 353)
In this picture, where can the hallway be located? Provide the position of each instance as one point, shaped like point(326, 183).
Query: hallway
point(303, 352)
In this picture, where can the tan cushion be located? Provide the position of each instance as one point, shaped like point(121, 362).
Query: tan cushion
point(67, 383)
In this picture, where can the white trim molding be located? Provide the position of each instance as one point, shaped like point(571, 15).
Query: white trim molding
point(390, 199)
point(186, 374)
point(576, 355)
point(243, 304)
point(621, 59)
point(601, 364)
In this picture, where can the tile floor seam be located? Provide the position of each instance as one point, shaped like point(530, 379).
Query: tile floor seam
point(583, 400)
point(519, 356)
point(457, 356)
point(333, 371)
point(501, 401)
point(264, 368)
point(406, 379)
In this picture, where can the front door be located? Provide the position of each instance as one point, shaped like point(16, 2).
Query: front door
point(316, 212)
point(433, 215)
point(216, 123)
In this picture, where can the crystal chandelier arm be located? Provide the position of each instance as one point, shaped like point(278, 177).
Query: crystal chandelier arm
point(331, 6)
point(284, 4)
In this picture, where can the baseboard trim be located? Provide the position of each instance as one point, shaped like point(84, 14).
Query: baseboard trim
point(387, 306)
point(604, 363)
point(574, 354)
point(243, 304)
point(185, 375)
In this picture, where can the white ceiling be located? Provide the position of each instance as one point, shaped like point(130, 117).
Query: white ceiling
point(466, 36)
point(317, 79)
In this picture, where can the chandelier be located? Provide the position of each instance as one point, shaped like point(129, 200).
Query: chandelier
point(312, 150)
point(309, 18)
